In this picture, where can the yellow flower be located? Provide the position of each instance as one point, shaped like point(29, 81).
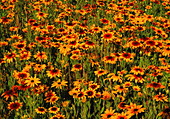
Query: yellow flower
point(59, 84)
point(32, 81)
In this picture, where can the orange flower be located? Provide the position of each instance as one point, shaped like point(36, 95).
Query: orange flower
point(9, 94)
point(128, 57)
point(41, 110)
point(108, 114)
point(100, 72)
point(25, 55)
point(134, 44)
point(137, 70)
point(122, 116)
point(90, 44)
point(161, 98)
point(41, 56)
point(105, 21)
point(150, 43)
point(108, 36)
point(5, 20)
point(94, 86)
point(122, 105)
point(110, 59)
point(54, 72)
point(106, 95)
point(137, 78)
point(52, 100)
point(136, 88)
point(135, 109)
point(54, 109)
point(17, 37)
point(90, 93)
point(121, 89)
point(77, 67)
point(10, 57)
point(155, 85)
point(41, 14)
point(32, 81)
point(14, 105)
point(21, 75)
point(114, 77)
point(49, 94)
point(58, 116)
point(59, 84)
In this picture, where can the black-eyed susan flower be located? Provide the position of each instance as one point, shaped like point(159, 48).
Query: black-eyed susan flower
point(64, 49)
point(77, 67)
point(120, 88)
point(108, 114)
point(19, 45)
point(53, 109)
point(41, 110)
point(90, 93)
point(127, 84)
point(9, 94)
point(94, 86)
point(161, 98)
point(166, 51)
point(137, 70)
point(39, 67)
point(73, 93)
point(110, 59)
point(90, 44)
point(128, 57)
point(59, 84)
point(3, 43)
point(137, 78)
point(80, 94)
point(134, 44)
point(41, 56)
point(53, 99)
point(5, 20)
point(155, 85)
point(114, 77)
point(24, 55)
point(122, 115)
point(108, 36)
point(106, 95)
point(58, 116)
point(150, 43)
point(135, 109)
point(21, 75)
point(100, 72)
point(41, 15)
point(136, 88)
point(75, 57)
point(10, 57)
point(32, 81)
point(49, 94)
point(54, 72)
point(17, 37)
point(73, 44)
point(71, 24)
point(15, 105)
point(105, 21)
point(122, 105)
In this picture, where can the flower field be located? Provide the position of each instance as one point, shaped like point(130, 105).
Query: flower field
point(84, 59)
